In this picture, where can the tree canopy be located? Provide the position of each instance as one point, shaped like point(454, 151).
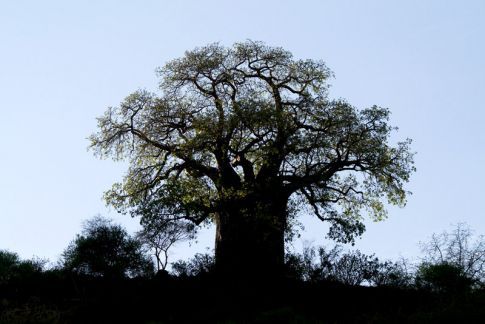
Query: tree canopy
point(249, 130)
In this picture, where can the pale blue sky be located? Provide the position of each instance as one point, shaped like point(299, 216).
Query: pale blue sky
point(63, 62)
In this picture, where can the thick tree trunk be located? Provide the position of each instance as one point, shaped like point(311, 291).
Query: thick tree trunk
point(250, 239)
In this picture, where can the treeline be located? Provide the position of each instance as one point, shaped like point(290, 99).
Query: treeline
point(106, 274)
point(452, 262)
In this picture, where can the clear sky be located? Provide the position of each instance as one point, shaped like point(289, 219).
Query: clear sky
point(62, 63)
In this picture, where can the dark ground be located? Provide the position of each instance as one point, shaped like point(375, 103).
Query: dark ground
point(61, 298)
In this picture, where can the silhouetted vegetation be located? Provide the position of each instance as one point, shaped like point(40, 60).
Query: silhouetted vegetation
point(105, 249)
point(12, 268)
point(457, 251)
point(320, 285)
point(443, 278)
point(199, 265)
point(351, 268)
point(159, 237)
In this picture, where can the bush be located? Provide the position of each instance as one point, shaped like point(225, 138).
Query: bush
point(200, 264)
point(443, 278)
point(106, 250)
point(393, 274)
point(13, 268)
point(351, 268)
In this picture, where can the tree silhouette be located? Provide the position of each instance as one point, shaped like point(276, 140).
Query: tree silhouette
point(241, 136)
point(8, 262)
point(458, 249)
point(106, 250)
point(351, 268)
point(443, 277)
point(201, 264)
point(161, 236)
point(14, 268)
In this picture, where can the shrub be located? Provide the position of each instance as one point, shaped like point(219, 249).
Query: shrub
point(443, 278)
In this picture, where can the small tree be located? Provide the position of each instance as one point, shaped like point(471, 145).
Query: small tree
point(105, 249)
point(160, 237)
point(458, 249)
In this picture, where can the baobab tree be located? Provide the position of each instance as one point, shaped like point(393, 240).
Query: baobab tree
point(243, 136)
